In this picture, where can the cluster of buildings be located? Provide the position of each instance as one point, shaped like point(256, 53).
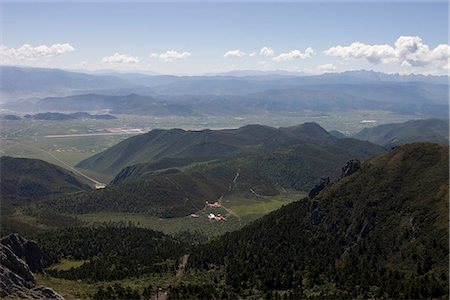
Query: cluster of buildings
point(211, 216)
point(217, 217)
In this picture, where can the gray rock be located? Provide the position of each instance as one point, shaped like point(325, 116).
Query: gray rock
point(26, 250)
point(18, 258)
point(351, 167)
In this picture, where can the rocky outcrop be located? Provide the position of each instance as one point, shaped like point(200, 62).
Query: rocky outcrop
point(324, 182)
point(26, 250)
point(19, 258)
point(351, 167)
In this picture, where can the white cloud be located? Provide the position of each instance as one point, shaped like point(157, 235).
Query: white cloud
point(374, 54)
point(327, 67)
point(407, 51)
point(252, 54)
point(153, 55)
point(234, 53)
point(27, 51)
point(172, 55)
point(120, 59)
point(295, 54)
point(266, 51)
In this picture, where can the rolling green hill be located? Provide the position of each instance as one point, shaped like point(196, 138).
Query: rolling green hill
point(381, 232)
point(24, 181)
point(157, 189)
point(33, 178)
point(388, 135)
point(202, 145)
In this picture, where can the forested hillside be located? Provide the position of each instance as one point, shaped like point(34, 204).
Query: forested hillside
point(110, 253)
point(380, 232)
point(202, 145)
point(173, 192)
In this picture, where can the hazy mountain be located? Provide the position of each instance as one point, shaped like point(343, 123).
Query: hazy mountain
point(403, 98)
point(388, 135)
point(380, 232)
point(378, 76)
point(64, 117)
point(128, 104)
point(248, 73)
point(27, 82)
point(10, 117)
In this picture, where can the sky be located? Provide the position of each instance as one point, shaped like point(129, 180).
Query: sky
point(200, 38)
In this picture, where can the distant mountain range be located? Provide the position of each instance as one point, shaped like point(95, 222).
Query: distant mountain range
point(404, 98)
point(28, 82)
point(49, 116)
point(60, 90)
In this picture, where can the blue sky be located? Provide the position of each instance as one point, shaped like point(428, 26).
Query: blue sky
point(138, 36)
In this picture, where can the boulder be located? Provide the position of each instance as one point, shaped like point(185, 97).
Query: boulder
point(18, 259)
point(26, 250)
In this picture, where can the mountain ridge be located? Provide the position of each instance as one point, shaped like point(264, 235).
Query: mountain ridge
point(209, 144)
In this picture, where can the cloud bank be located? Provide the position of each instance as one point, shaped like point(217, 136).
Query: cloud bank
point(172, 55)
point(295, 54)
point(120, 59)
point(406, 51)
point(26, 51)
point(234, 53)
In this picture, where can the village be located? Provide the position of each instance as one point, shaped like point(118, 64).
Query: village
point(212, 216)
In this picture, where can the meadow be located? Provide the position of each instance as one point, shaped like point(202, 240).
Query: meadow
point(237, 215)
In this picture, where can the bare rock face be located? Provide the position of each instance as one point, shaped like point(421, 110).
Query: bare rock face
point(351, 167)
point(18, 259)
point(26, 250)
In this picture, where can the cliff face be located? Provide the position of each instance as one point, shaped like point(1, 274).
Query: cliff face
point(19, 258)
